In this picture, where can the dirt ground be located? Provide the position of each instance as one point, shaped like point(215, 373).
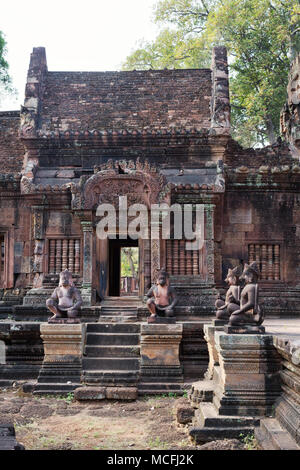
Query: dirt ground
point(61, 423)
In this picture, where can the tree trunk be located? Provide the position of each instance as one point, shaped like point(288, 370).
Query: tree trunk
point(270, 130)
point(130, 260)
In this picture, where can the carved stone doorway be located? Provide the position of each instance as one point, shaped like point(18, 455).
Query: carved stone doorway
point(115, 289)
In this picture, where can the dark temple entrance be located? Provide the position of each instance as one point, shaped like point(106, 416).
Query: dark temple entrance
point(123, 267)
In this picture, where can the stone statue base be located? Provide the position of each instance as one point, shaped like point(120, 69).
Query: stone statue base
point(163, 320)
point(244, 329)
point(217, 322)
point(64, 320)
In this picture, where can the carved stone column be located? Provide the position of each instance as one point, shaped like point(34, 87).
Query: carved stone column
point(155, 248)
point(147, 265)
point(209, 241)
point(86, 291)
point(38, 232)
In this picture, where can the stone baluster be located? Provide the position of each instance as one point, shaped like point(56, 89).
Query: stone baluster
point(195, 262)
point(181, 257)
point(257, 254)
point(270, 262)
point(251, 253)
point(71, 256)
point(52, 257)
point(264, 261)
point(175, 257)
point(277, 262)
point(169, 257)
point(64, 254)
point(189, 265)
point(77, 257)
point(58, 256)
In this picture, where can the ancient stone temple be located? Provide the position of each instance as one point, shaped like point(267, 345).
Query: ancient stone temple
point(157, 136)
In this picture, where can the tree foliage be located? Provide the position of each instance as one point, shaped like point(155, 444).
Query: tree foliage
point(5, 80)
point(129, 262)
point(261, 36)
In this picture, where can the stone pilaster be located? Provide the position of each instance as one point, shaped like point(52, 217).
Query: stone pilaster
point(155, 259)
point(63, 348)
point(86, 291)
point(209, 241)
point(248, 376)
point(38, 232)
point(160, 355)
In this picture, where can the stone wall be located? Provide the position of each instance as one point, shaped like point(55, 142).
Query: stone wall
point(287, 407)
point(11, 148)
point(24, 352)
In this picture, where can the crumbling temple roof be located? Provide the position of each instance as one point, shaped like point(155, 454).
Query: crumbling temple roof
point(152, 99)
point(132, 101)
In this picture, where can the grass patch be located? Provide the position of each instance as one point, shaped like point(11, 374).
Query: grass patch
point(249, 441)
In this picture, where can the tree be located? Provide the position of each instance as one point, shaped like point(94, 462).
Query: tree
point(5, 80)
point(129, 262)
point(261, 36)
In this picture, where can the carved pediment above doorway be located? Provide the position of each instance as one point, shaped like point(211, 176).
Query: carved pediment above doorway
point(140, 182)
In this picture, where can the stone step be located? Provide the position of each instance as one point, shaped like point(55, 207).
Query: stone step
point(118, 312)
point(110, 363)
point(112, 351)
point(113, 308)
point(110, 378)
point(49, 379)
point(117, 319)
point(8, 437)
point(113, 328)
point(208, 425)
point(272, 436)
point(98, 339)
point(10, 443)
point(6, 383)
point(123, 298)
point(203, 435)
point(158, 386)
point(55, 388)
point(207, 416)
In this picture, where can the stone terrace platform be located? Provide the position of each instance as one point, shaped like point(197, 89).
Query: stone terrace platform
point(288, 328)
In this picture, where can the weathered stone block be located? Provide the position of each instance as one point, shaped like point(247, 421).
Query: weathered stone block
point(89, 393)
point(248, 377)
point(61, 369)
point(121, 393)
point(62, 342)
point(184, 414)
point(160, 344)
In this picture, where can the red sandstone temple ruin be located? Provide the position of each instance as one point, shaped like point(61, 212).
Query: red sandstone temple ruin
point(62, 153)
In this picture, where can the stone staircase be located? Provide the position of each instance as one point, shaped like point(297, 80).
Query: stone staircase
point(120, 309)
point(272, 436)
point(111, 356)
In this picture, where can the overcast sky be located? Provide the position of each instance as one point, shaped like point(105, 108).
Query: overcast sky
point(86, 35)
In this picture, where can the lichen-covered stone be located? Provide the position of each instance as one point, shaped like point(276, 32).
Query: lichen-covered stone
point(121, 393)
point(89, 393)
